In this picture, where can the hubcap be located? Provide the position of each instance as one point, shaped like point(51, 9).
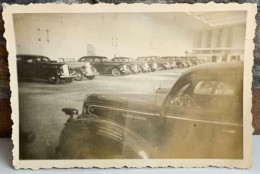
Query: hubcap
point(115, 72)
point(78, 76)
point(53, 79)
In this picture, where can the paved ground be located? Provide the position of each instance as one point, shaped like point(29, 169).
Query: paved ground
point(41, 103)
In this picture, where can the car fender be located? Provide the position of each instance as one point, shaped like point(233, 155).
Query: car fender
point(97, 134)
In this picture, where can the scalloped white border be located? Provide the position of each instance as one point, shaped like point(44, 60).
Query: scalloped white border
point(86, 8)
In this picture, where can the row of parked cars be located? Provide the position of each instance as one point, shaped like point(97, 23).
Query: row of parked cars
point(68, 69)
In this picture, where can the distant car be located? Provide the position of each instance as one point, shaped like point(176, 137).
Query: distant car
point(202, 111)
point(41, 67)
point(103, 66)
point(82, 69)
point(173, 61)
point(176, 61)
point(186, 62)
point(194, 60)
point(151, 62)
point(161, 64)
point(134, 66)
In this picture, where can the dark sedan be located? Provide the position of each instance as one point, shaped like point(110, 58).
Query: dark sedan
point(41, 67)
point(200, 117)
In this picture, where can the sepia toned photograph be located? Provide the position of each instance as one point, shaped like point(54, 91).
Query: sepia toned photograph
point(123, 86)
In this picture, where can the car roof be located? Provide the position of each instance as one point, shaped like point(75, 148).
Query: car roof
point(101, 57)
point(215, 68)
point(29, 55)
point(122, 58)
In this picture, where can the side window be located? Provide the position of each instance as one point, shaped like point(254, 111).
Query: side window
point(19, 59)
point(45, 60)
point(104, 60)
point(86, 60)
point(213, 88)
point(214, 93)
point(82, 60)
point(183, 97)
point(97, 60)
point(30, 60)
point(38, 60)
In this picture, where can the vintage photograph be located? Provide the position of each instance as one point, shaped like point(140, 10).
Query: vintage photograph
point(129, 85)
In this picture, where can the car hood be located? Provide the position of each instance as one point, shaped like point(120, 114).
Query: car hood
point(138, 102)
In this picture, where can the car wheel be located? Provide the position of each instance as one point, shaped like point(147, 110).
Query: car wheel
point(90, 77)
point(53, 79)
point(116, 72)
point(69, 79)
point(78, 76)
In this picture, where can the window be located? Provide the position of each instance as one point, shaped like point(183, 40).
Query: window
point(38, 59)
point(45, 60)
point(82, 60)
point(18, 59)
point(213, 88)
point(104, 60)
point(97, 60)
point(182, 97)
point(204, 94)
point(29, 60)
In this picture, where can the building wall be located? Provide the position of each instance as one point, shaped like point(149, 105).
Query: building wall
point(101, 34)
point(225, 43)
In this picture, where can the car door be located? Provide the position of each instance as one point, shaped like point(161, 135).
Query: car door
point(29, 68)
point(202, 119)
point(99, 65)
point(42, 67)
point(146, 121)
point(21, 64)
point(38, 68)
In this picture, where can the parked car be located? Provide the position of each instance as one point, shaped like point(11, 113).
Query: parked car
point(201, 116)
point(41, 67)
point(173, 61)
point(160, 63)
point(194, 60)
point(134, 66)
point(82, 69)
point(186, 62)
point(176, 61)
point(103, 65)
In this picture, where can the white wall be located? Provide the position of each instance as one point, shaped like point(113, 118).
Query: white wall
point(69, 34)
point(224, 42)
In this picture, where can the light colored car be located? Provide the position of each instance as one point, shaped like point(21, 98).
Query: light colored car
point(82, 69)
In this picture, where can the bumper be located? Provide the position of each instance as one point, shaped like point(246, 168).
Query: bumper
point(66, 77)
point(173, 66)
point(125, 72)
point(146, 69)
point(91, 74)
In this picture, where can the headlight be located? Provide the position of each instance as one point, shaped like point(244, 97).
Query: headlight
point(122, 67)
point(166, 64)
point(154, 65)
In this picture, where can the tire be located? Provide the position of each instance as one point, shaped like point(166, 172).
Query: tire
point(90, 77)
point(116, 72)
point(69, 79)
point(153, 70)
point(53, 79)
point(180, 65)
point(78, 76)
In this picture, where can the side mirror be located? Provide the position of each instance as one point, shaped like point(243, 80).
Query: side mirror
point(71, 112)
